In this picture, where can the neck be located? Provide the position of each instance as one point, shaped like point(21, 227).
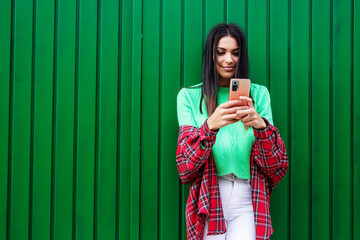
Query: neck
point(224, 82)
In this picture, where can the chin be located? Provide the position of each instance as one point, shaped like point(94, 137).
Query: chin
point(228, 76)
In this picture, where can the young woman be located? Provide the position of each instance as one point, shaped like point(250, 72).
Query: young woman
point(231, 155)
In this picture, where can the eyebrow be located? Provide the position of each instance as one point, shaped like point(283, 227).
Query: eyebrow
point(225, 49)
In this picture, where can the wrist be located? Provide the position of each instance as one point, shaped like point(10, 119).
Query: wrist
point(210, 125)
point(262, 125)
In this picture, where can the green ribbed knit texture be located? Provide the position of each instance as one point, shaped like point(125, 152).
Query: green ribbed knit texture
point(233, 144)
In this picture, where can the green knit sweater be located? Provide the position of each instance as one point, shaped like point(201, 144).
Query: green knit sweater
point(233, 143)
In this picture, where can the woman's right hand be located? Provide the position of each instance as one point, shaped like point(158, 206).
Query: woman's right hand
point(224, 115)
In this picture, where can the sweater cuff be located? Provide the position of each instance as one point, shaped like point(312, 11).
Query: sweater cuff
point(265, 132)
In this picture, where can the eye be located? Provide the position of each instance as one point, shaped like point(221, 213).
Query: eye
point(235, 54)
point(220, 52)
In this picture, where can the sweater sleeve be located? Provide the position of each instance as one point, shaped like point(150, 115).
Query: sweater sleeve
point(194, 144)
point(184, 111)
point(263, 107)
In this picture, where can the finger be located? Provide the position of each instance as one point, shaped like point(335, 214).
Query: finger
point(250, 123)
point(233, 109)
point(250, 116)
point(231, 121)
point(248, 101)
point(243, 113)
point(230, 117)
point(247, 118)
point(231, 103)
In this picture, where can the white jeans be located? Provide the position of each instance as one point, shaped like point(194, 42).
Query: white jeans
point(238, 210)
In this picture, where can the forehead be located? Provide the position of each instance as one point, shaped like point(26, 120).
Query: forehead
point(227, 42)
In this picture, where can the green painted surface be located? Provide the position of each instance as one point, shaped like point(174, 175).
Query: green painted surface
point(88, 100)
point(85, 120)
point(43, 62)
point(356, 121)
point(169, 83)
point(5, 52)
point(63, 124)
point(149, 201)
point(124, 147)
point(279, 84)
point(299, 116)
point(257, 41)
point(136, 120)
point(340, 124)
point(20, 122)
point(320, 120)
point(107, 90)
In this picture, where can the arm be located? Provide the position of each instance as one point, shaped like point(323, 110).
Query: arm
point(269, 154)
point(268, 151)
point(195, 144)
point(193, 149)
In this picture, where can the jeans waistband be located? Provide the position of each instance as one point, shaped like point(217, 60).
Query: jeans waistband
point(232, 177)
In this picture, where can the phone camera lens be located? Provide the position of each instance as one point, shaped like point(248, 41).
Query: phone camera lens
point(235, 86)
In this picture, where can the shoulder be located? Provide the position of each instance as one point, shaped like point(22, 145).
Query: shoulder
point(257, 89)
point(189, 93)
point(259, 92)
point(260, 95)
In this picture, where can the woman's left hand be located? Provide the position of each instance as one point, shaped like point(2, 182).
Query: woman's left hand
point(250, 117)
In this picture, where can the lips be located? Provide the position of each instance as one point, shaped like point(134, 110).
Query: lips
point(228, 68)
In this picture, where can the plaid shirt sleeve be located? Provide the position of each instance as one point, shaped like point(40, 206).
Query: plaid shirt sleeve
point(269, 164)
point(270, 154)
point(196, 166)
point(193, 150)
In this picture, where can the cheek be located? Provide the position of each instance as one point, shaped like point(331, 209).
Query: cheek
point(218, 65)
point(218, 61)
point(236, 59)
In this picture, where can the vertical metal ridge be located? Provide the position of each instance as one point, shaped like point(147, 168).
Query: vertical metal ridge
point(160, 113)
point(182, 80)
point(246, 19)
point(289, 117)
point(76, 107)
point(140, 113)
point(140, 110)
point(181, 196)
point(225, 11)
point(352, 116)
point(331, 63)
point(118, 117)
point(135, 121)
point(96, 165)
point(53, 145)
point(11, 107)
point(182, 60)
point(310, 125)
point(31, 176)
point(203, 24)
point(268, 44)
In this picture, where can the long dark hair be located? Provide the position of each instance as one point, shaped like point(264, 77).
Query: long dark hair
point(210, 76)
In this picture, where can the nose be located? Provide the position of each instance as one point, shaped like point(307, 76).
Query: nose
point(229, 58)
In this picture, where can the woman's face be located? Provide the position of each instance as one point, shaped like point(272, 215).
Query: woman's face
point(227, 53)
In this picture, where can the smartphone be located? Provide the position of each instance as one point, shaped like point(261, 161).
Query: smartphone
point(239, 87)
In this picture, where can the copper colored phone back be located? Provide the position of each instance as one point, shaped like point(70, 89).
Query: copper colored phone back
point(242, 90)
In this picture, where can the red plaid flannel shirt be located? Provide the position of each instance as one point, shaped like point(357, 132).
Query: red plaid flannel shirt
point(196, 166)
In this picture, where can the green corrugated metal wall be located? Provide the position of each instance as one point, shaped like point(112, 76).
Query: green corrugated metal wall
point(88, 123)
